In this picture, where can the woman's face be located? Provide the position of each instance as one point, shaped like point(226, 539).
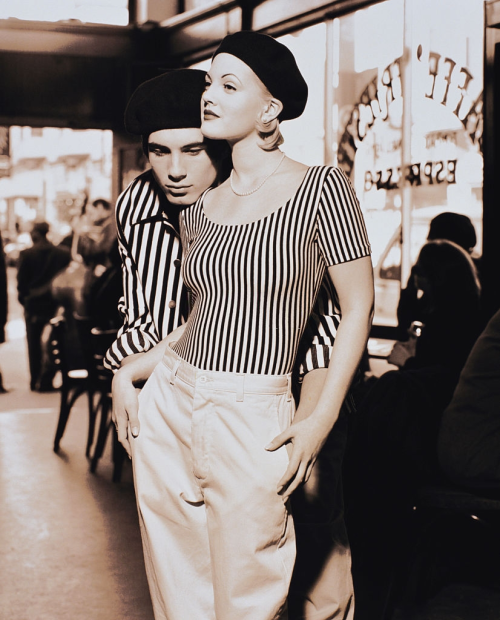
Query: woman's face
point(233, 101)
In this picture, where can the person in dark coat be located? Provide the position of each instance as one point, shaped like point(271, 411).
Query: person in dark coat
point(37, 267)
point(469, 435)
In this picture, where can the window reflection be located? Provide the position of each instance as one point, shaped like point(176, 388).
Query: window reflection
point(443, 65)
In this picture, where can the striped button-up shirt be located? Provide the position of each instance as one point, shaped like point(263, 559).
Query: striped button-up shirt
point(155, 300)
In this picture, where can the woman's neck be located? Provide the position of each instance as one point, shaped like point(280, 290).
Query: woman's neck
point(251, 163)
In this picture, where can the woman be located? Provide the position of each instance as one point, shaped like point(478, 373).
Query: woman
point(256, 249)
point(448, 282)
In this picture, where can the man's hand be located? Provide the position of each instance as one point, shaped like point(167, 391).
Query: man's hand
point(125, 409)
point(402, 351)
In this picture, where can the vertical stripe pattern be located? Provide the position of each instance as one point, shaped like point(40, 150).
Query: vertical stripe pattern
point(155, 301)
point(255, 284)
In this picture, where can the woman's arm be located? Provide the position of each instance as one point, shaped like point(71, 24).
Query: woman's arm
point(124, 393)
point(354, 284)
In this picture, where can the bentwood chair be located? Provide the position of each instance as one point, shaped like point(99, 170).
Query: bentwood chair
point(100, 341)
point(74, 382)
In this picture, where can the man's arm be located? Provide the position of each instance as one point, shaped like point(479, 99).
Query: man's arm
point(138, 333)
point(316, 346)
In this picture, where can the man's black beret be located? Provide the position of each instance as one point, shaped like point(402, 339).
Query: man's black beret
point(169, 101)
point(275, 66)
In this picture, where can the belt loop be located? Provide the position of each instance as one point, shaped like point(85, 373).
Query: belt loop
point(289, 389)
point(173, 374)
point(240, 388)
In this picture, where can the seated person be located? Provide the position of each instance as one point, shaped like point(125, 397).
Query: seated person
point(447, 283)
point(469, 436)
point(453, 227)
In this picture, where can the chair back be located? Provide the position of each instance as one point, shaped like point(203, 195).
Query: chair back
point(57, 346)
point(100, 341)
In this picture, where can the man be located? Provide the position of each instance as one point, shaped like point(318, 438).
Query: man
point(37, 267)
point(183, 165)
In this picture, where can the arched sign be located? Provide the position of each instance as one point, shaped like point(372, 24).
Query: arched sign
point(375, 103)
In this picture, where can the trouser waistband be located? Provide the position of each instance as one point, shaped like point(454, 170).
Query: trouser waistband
point(239, 383)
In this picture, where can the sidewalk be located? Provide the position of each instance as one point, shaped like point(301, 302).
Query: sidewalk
point(69, 539)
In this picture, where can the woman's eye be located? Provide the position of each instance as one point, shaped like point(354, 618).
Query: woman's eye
point(229, 87)
point(207, 85)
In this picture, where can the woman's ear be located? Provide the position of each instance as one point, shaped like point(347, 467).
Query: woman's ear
point(271, 110)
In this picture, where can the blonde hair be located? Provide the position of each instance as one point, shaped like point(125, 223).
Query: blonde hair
point(269, 132)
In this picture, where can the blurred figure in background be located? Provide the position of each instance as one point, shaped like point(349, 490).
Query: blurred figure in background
point(3, 301)
point(96, 239)
point(105, 293)
point(37, 267)
point(453, 227)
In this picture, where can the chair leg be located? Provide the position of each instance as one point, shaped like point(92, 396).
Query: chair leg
point(92, 419)
point(103, 405)
point(63, 418)
point(67, 403)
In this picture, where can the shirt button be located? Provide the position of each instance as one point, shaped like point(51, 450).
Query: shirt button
point(171, 304)
point(177, 263)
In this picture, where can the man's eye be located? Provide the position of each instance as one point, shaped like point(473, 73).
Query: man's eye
point(195, 151)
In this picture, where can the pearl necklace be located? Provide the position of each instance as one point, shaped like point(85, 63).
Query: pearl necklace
point(255, 189)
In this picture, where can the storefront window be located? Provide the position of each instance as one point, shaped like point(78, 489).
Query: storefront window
point(407, 124)
point(305, 136)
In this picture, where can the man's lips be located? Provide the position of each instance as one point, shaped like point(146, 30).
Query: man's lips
point(175, 188)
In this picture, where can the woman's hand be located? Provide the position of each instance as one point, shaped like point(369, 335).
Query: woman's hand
point(305, 438)
point(125, 408)
point(402, 351)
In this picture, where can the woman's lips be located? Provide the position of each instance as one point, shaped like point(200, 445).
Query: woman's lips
point(208, 114)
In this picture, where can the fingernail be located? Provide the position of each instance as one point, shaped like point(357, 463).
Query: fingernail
point(268, 446)
point(135, 431)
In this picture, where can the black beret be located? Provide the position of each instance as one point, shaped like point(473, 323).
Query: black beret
point(275, 66)
point(169, 101)
point(455, 227)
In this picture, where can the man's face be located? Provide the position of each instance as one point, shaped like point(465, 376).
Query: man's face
point(181, 164)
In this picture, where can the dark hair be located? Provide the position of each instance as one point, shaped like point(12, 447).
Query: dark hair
point(454, 227)
point(450, 273)
point(40, 228)
point(100, 201)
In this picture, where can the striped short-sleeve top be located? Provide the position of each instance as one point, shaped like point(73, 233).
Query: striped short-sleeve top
point(254, 285)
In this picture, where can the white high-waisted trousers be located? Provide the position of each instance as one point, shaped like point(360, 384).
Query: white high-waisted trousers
point(218, 540)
